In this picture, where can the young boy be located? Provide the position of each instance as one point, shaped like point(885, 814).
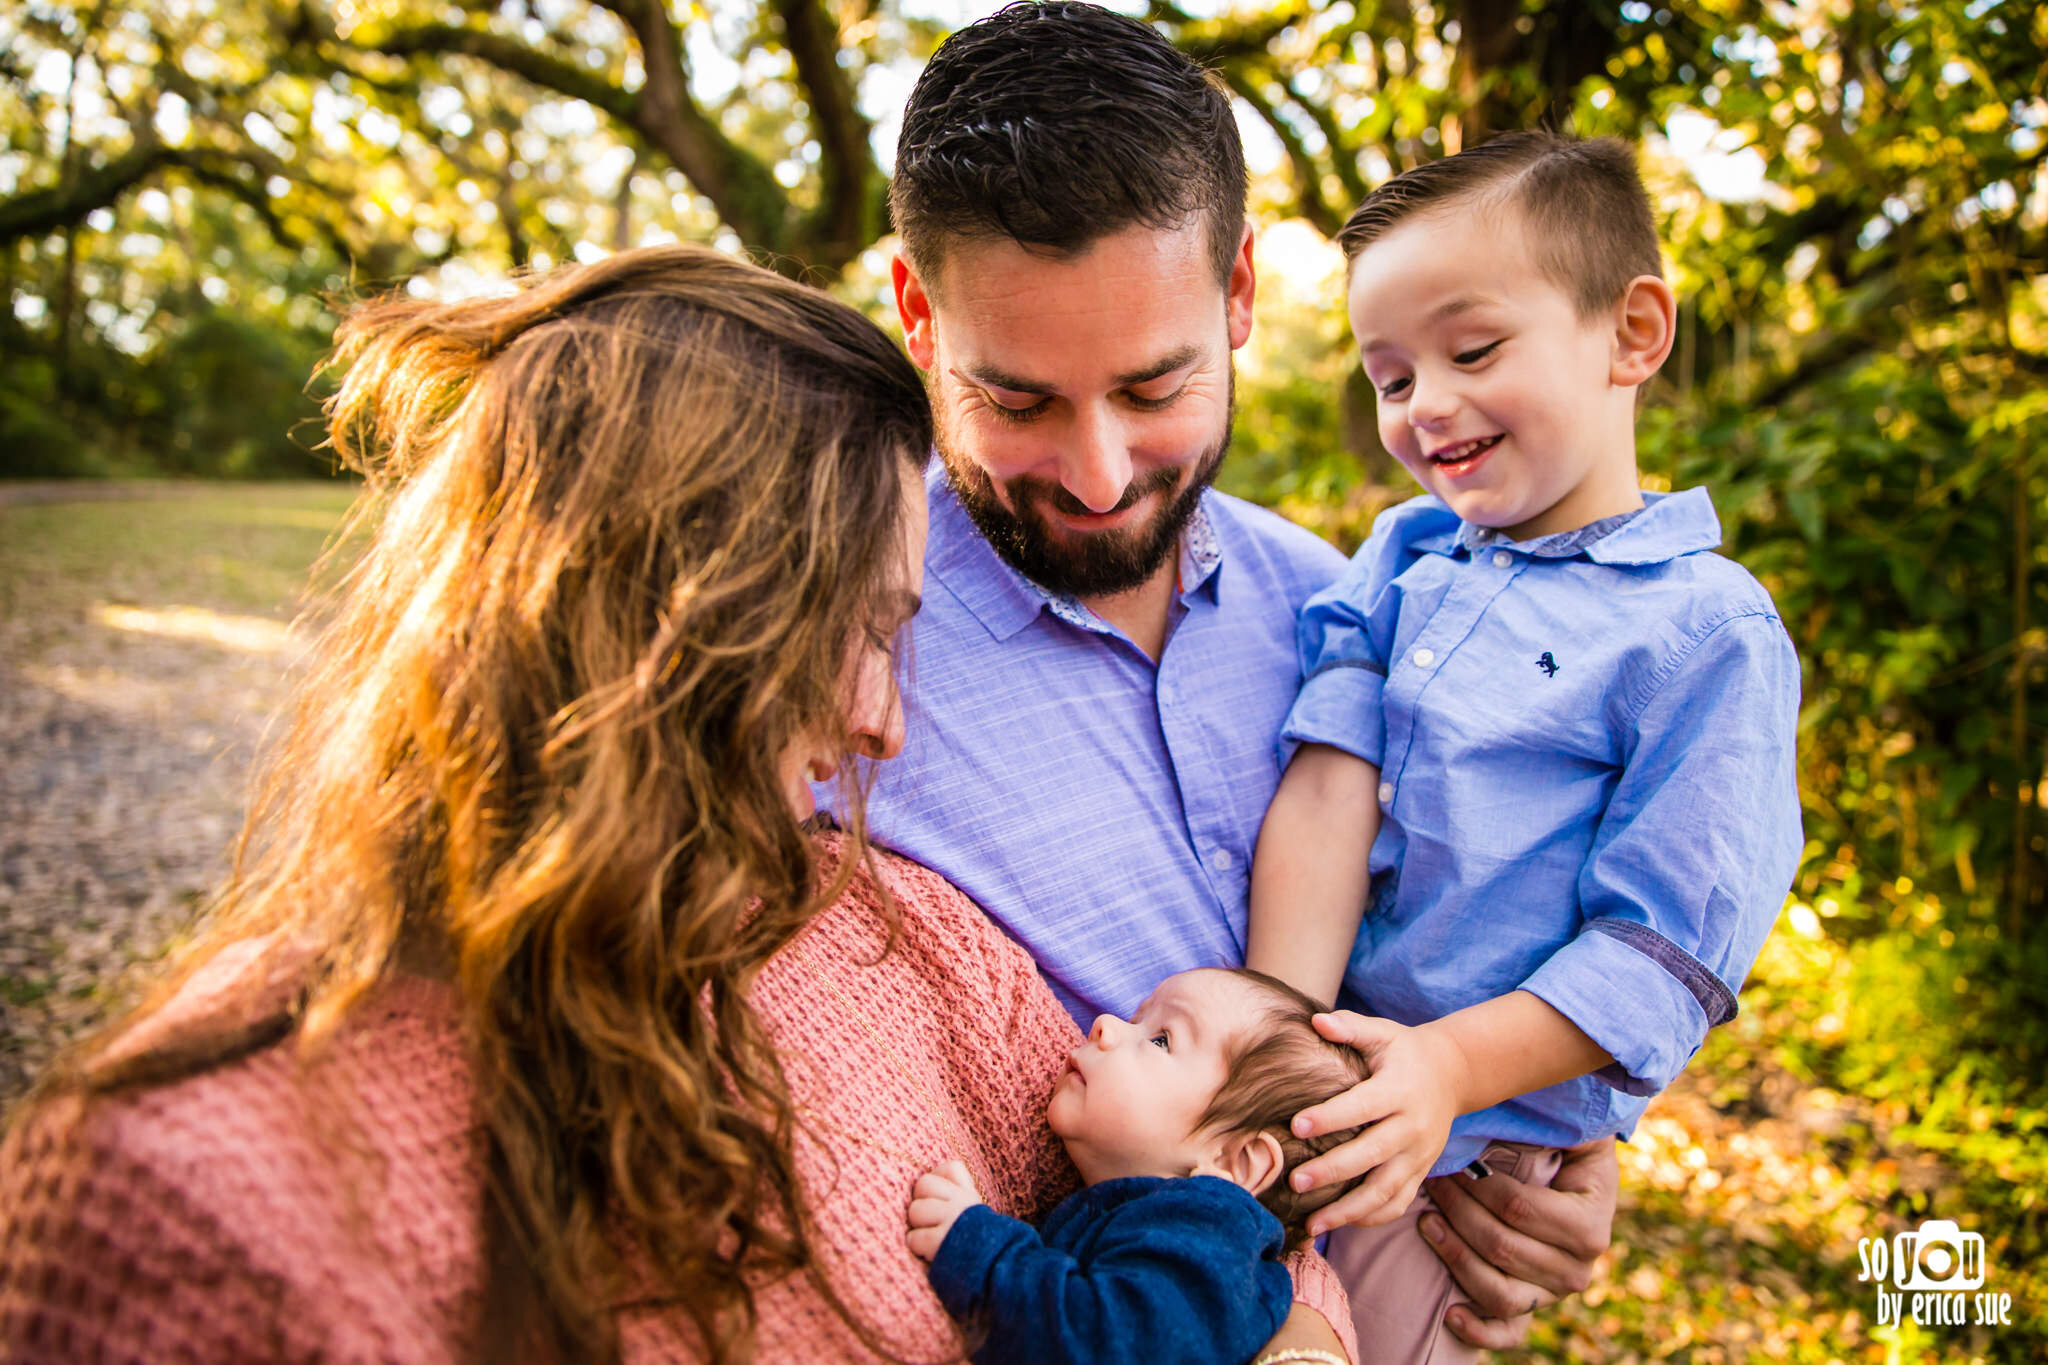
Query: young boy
point(1177, 1122)
point(1545, 735)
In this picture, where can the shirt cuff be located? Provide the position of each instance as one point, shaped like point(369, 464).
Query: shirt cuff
point(977, 1239)
point(1646, 1001)
point(1339, 705)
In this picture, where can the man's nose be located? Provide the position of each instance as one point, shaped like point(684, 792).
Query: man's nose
point(1096, 466)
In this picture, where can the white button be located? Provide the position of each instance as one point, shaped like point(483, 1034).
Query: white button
point(1501, 559)
point(1424, 657)
point(1220, 860)
point(1386, 792)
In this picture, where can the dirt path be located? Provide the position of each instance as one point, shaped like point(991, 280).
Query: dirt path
point(133, 691)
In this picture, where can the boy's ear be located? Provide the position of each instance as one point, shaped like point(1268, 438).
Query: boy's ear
point(1645, 324)
point(1251, 1161)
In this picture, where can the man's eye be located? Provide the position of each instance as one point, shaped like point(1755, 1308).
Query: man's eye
point(1025, 414)
point(1139, 400)
point(1161, 1040)
point(1474, 357)
point(1393, 388)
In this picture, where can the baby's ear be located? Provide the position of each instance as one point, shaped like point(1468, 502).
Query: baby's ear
point(1251, 1161)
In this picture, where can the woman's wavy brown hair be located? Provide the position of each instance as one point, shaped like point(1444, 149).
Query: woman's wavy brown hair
point(627, 527)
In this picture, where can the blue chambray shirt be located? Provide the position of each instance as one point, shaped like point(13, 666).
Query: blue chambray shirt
point(1102, 810)
point(1585, 744)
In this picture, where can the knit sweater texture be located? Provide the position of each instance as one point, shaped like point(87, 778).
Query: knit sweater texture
point(331, 1208)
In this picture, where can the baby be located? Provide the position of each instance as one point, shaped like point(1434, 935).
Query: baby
point(1177, 1121)
point(1542, 813)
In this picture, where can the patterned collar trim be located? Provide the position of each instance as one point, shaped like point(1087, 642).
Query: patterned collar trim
point(1200, 554)
point(1562, 545)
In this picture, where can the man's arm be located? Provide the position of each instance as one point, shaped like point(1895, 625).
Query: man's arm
point(1312, 870)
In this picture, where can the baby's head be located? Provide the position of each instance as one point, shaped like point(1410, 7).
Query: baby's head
point(1509, 302)
point(1205, 1079)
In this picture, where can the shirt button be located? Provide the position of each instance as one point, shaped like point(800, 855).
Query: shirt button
point(1501, 559)
point(1220, 860)
point(1386, 792)
point(1424, 657)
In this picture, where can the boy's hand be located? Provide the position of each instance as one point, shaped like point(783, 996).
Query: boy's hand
point(941, 1194)
point(1409, 1102)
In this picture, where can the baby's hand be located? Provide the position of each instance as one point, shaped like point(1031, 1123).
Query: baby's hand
point(941, 1194)
point(1409, 1102)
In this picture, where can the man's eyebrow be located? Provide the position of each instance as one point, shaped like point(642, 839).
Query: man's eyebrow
point(995, 377)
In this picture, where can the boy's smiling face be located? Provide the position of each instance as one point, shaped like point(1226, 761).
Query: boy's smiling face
point(1493, 390)
point(1132, 1092)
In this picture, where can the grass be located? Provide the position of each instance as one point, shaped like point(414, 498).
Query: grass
point(233, 548)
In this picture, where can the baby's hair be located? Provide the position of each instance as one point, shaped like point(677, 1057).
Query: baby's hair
point(1582, 203)
point(1281, 1069)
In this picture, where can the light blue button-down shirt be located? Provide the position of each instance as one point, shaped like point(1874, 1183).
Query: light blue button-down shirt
point(1101, 809)
point(1585, 746)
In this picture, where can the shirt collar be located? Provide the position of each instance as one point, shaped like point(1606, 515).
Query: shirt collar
point(1005, 601)
point(1665, 527)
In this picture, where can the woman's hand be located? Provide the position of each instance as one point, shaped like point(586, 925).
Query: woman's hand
point(941, 1194)
point(1514, 1248)
point(1409, 1102)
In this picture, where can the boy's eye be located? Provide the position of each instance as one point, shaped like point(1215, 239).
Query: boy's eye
point(1393, 388)
point(1161, 1040)
point(1473, 357)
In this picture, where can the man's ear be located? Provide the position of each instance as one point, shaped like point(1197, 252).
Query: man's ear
point(914, 311)
point(1250, 1161)
point(1243, 284)
point(1645, 323)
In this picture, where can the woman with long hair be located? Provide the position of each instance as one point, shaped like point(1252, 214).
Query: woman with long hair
point(533, 1021)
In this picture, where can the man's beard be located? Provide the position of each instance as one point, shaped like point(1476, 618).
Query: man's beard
point(1080, 564)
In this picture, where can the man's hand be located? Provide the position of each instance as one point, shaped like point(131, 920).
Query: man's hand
point(941, 1194)
point(1409, 1103)
point(1515, 1248)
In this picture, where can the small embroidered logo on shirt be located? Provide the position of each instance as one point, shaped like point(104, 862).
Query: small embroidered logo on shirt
point(1547, 664)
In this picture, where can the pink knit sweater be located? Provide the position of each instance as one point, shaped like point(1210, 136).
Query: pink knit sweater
point(212, 1219)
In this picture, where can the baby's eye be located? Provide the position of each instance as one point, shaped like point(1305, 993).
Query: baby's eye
point(1473, 357)
point(1161, 1040)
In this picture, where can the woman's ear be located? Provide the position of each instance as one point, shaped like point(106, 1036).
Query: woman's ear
point(1251, 1161)
point(1645, 324)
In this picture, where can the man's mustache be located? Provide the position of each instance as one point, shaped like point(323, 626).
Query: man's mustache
point(1036, 489)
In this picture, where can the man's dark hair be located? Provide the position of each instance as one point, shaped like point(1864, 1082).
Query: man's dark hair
point(1284, 1067)
point(1583, 204)
point(1055, 124)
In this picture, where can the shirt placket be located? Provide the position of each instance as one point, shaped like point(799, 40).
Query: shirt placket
point(1474, 586)
point(1182, 725)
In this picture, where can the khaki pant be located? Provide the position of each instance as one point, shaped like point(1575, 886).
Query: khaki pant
point(1400, 1290)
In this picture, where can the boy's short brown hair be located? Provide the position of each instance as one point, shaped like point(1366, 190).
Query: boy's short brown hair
point(1280, 1069)
point(1583, 203)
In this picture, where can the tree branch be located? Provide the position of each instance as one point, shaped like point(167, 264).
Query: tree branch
point(848, 212)
point(1308, 177)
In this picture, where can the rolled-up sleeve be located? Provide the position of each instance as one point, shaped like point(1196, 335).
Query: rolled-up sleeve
point(1343, 674)
point(1692, 859)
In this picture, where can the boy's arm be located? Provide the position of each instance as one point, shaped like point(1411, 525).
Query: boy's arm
point(1174, 1276)
point(1312, 870)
